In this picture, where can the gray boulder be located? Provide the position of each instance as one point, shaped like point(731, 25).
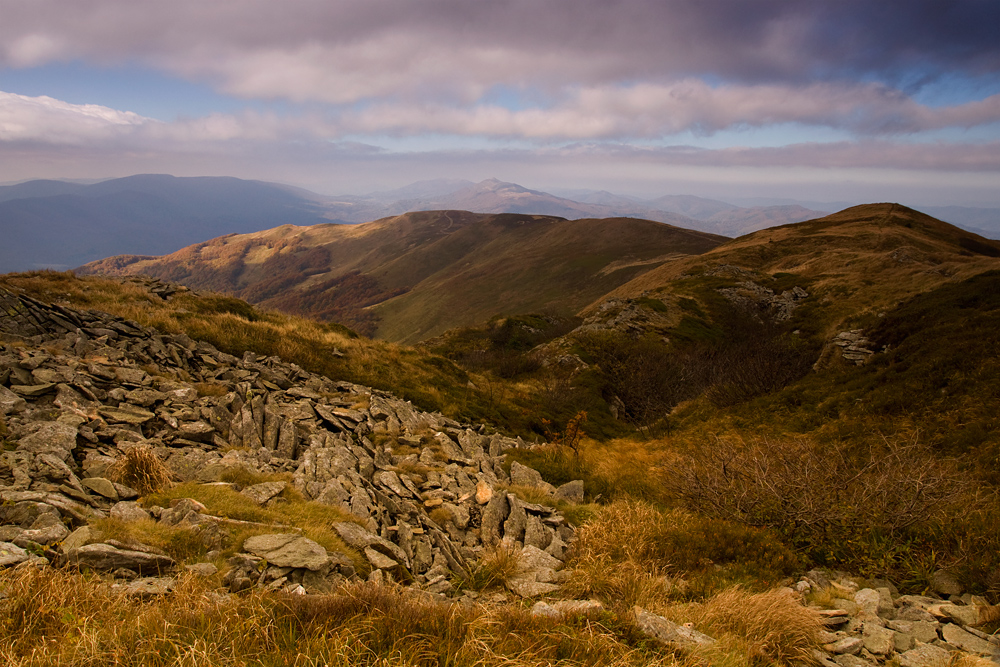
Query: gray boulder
point(106, 557)
point(129, 510)
point(669, 633)
point(288, 550)
point(11, 554)
point(263, 492)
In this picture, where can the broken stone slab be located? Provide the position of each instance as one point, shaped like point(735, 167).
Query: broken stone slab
point(54, 437)
point(967, 641)
point(33, 390)
point(46, 530)
point(494, 513)
point(577, 608)
point(945, 583)
point(848, 660)
point(961, 614)
point(101, 486)
point(532, 558)
point(379, 561)
point(202, 569)
point(484, 493)
point(522, 475)
point(921, 631)
point(263, 492)
point(875, 603)
point(571, 491)
point(128, 511)
point(545, 610)
point(926, 655)
point(669, 633)
point(529, 588)
point(11, 554)
point(125, 414)
point(878, 640)
point(288, 550)
point(359, 538)
point(851, 645)
point(149, 587)
point(10, 402)
point(79, 537)
point(107, 557)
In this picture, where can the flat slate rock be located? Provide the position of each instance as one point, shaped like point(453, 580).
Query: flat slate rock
point(107, 557)
point(261, 493)
point(669, 633)
point(125, 414)
point(288, 550)
point(11, 554)
point(967, 641)
point(926, 655)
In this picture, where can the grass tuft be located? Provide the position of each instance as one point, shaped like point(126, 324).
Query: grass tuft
point(138, 467)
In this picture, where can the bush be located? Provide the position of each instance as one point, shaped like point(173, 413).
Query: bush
point(873, 510)
point(630, 550)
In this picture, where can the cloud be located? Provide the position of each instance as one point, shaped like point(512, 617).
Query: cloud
point(650, 111)
point(638, 112)
point(49, 120)
point(348, 51)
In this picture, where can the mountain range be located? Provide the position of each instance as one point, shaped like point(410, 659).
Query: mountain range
point(61, 225)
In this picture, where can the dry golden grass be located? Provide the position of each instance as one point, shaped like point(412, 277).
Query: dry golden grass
point(618, 557)
point(58, 618)
point(966, 660)
point(495, 567)
point(138, 467)
point(314, 520)
point(772, 626)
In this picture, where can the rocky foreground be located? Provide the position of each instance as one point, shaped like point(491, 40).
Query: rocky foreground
point(423, 497)
point(78, 389)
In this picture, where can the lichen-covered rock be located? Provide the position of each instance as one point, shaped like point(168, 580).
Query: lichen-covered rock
point(669, 633)
point(106, 557)
point(288, 550)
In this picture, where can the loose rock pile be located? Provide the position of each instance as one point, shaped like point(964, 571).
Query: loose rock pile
point(427, 494)
point(870, 626)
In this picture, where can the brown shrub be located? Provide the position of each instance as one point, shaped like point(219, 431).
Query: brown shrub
point(862, 508)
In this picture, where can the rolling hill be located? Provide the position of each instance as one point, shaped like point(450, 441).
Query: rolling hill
point(409, 277)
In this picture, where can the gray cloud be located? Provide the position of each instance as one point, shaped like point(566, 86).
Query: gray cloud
point(345, 51)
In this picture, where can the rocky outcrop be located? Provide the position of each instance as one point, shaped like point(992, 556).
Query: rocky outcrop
point(870, 626)
point(854, 346)
point(78, 388)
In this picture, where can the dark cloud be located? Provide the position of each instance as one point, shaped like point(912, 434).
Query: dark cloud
point(475, 45)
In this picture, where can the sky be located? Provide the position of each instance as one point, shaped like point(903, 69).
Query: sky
point(888, 100)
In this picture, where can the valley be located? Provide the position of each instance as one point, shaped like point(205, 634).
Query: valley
point(612, 426)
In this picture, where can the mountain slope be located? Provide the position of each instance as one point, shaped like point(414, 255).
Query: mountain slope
point(49, 224)
point(409, 277)
point(858, 261)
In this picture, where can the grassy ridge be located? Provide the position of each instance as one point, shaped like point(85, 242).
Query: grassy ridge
point(416, 275)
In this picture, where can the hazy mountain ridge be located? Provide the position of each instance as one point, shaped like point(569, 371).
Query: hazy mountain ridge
point(49, 224)
point(55, 224)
